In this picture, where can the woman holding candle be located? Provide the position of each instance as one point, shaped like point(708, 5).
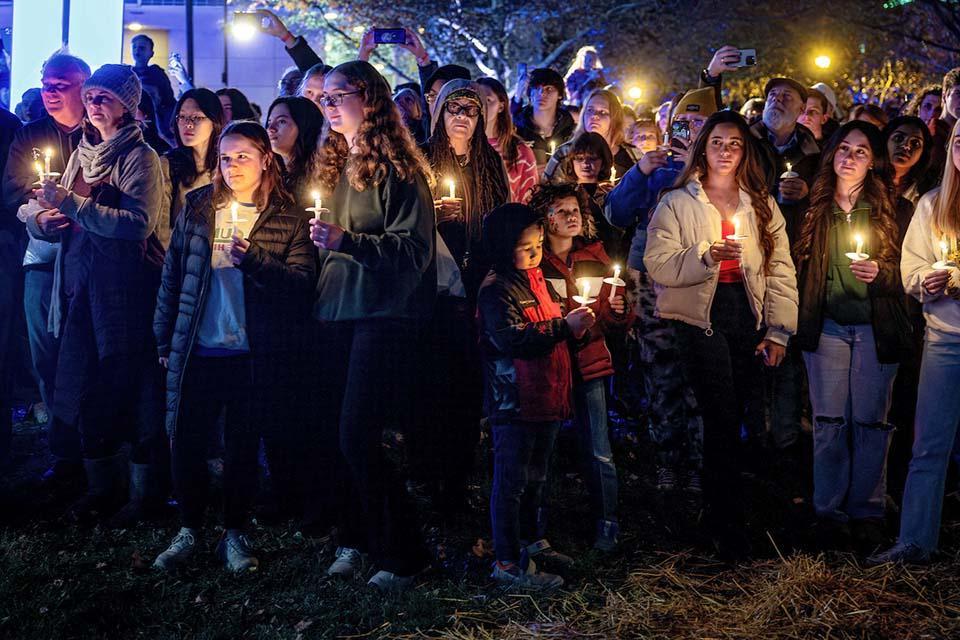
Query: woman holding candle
point(938, 404)
point(198, 119)
point(853, 329)
point(104, 212)
point(458, 150)
point(519, 159)
point(572, 252)
point(294, 125)
point(377, 286)
point(728, 320)
point(602, 114)
point(235, 293)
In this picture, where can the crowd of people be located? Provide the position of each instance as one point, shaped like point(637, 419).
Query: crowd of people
point(201, 282)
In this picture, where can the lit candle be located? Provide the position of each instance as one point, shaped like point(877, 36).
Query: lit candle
point(234, 210)
point(944, 250)
point(453, 189)
point(47, 154)
point(859, 240)
point(613, 175)
point(317, 204)
point(553, 147)
point(736, 226)
point(39, 170)
point(585, 294)
point(615, 283)
point(789, 167)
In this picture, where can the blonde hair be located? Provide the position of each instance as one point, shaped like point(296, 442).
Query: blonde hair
point(946, 204)
point(615, 137)
point(580, 58)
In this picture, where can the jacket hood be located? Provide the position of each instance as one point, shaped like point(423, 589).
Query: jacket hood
point(501, 230)
point(463, 88)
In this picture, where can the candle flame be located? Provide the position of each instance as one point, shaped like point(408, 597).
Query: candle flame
point(452, 187)
point(47, 153)
point(316, 195)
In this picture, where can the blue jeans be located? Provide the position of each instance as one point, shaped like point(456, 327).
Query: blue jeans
point(849, 386)
point(938, 413)
point(521, 451)
point(37, 288)
point(594, 436)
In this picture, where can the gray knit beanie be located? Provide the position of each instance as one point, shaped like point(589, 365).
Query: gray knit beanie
point(121, 81)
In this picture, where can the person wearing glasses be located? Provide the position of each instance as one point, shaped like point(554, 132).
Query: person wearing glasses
point(198, 117)
point(545, 120)
point(602, 114)
point(447, 430)
point(104, 212)
point(376, 289)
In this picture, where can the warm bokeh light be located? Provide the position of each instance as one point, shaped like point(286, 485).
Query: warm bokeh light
point(822, 61)
point(634, 93)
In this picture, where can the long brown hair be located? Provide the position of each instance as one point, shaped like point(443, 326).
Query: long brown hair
point(617, 126)
point(750, 175)
point(507, 139)
point(382, 140)
point(875, 190)
point(271, 190)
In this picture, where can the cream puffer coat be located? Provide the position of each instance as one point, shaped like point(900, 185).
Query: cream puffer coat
point(677, 257)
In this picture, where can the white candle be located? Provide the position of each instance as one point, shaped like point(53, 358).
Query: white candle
point(944, 250)
point(789, 166)
point(616, 278)
point(234, 210)
point(613, 175)
point(453, 188)
point(47, 154)
point(859, 240)
point(553, 147)
point(39, 170)
point(317, 204)
point(736, 226)
point(585, 294)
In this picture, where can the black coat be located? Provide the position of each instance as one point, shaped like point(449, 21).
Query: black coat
point(889, 318)
point(280, 271)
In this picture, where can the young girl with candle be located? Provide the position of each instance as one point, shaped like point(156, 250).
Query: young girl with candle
point(853, 329)
point(733, 300)
point(572, 252)
point(527, 383)
point(377, 287)
point(925, 277)
point(234, 295)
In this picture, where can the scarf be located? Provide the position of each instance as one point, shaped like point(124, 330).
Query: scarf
point(98, 160)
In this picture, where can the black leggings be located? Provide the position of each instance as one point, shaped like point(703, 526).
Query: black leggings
point(368, 366)
point(724, 373)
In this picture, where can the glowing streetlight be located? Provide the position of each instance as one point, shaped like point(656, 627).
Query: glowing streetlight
point(243, 31)
point(823, 62)
point(135, 26)
point(634, 93)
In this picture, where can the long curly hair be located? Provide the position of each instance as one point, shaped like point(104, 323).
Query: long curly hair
point(383, 140)
point(489, 188)
point(271, 190)
point(875, 190)
point(751, 176)
point(507, 138)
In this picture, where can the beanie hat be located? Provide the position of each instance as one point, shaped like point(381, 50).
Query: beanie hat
point(701, 102)
point(452, 90)
point(121, 81)
point(501, 230)
point(831, 97)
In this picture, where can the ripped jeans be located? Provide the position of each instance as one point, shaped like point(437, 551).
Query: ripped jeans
point(850, 393)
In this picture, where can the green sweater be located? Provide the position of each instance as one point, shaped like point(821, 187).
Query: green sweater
point(385, 267)
point(847, 300)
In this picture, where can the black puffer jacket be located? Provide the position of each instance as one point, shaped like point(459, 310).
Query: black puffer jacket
point(280, 271)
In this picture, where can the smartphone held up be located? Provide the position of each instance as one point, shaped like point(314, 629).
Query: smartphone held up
point(389, 36)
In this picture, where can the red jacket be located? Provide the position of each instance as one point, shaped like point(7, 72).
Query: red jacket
point(592, 357)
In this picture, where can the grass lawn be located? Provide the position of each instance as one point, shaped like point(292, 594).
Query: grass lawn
point(66, 581)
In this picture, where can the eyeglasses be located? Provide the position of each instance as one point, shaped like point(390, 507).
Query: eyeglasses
point(190, 121)
point(336, 99)
point(455, 109)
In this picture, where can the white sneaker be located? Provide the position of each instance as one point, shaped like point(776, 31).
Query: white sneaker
point(179, 550)
point(236, 553)
point(348, 562)
point(386, 581)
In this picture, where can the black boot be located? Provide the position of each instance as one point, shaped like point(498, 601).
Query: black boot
point(105, 489)
point(148, 492)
